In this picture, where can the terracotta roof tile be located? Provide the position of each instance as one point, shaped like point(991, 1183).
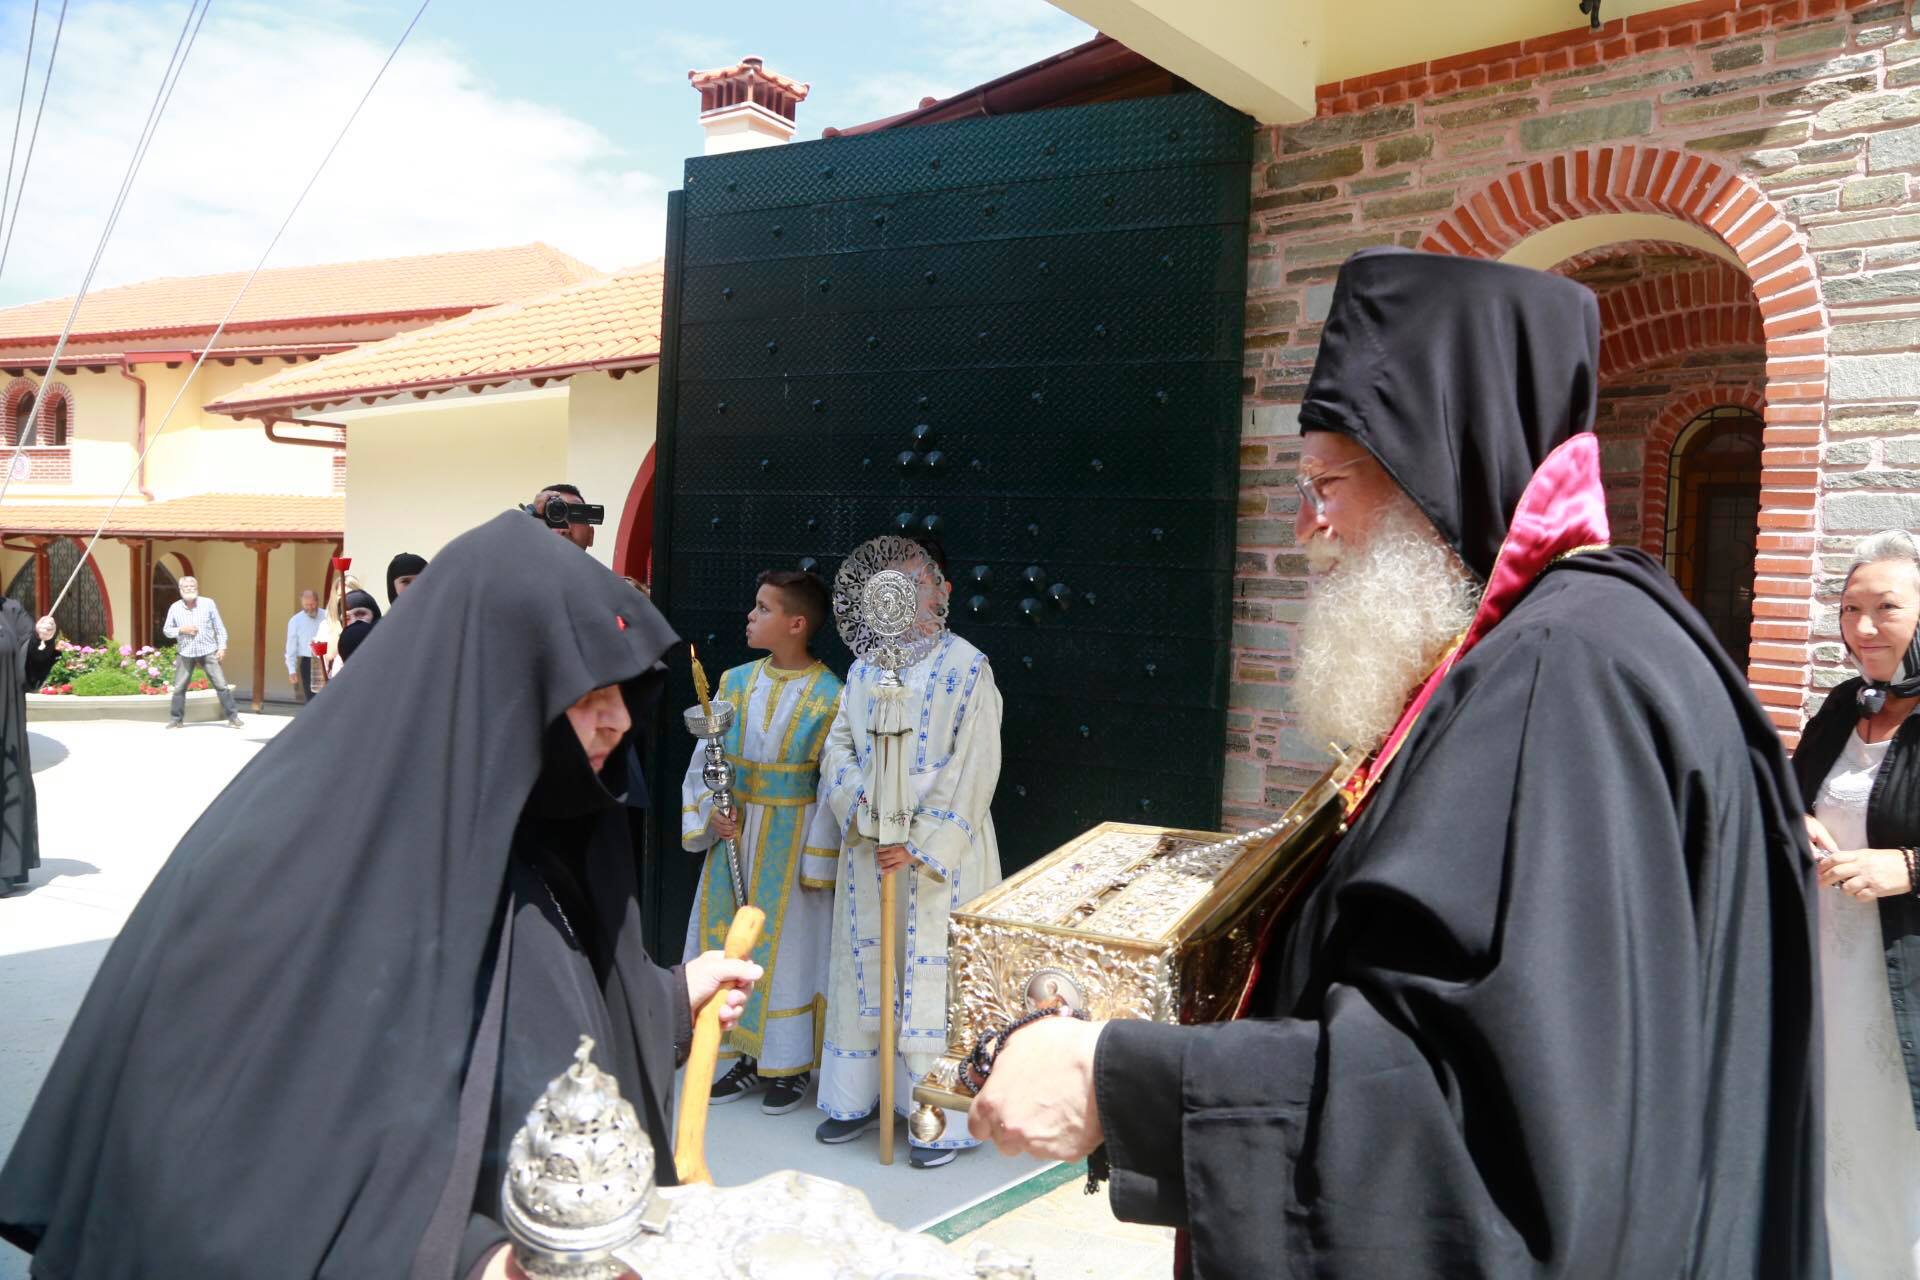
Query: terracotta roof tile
point(203, 514)
point(291, 296)
point(611, 322)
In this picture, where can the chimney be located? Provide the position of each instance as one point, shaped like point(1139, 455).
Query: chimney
point(746, 106)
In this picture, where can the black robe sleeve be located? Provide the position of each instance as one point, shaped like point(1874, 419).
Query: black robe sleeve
point(1502, 1061)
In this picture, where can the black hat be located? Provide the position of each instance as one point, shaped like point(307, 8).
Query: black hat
point(404, 565)
point(1460, 376)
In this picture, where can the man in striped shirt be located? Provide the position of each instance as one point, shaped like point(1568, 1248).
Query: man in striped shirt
point(194, 622)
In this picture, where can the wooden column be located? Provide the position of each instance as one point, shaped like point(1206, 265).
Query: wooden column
point(42, 576)
point(139, 598)
point(261, 551)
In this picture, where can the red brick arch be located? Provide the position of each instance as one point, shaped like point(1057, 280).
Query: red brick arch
point(43, 406)
point(1696, 190)
point(1658, 467)
point(1669, 316)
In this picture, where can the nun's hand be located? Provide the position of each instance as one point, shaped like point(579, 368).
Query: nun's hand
point(711, 973)
point(1824, 845)
point(1868, 873)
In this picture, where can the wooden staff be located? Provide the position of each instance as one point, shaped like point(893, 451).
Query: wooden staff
point(889, 1030)
point(690, 1135)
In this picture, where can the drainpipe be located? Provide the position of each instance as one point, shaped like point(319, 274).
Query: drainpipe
point(140, 427)
point(269, 424)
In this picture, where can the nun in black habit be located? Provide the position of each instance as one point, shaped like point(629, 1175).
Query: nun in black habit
point(299, 1061)
point(19, 812)
point(1550, 1010)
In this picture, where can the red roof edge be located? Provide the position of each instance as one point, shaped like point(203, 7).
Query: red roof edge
point(254, 408)
point(292, 324)
point(1030, 88)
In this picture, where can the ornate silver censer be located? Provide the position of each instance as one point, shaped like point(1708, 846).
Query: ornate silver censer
point(579, 1180)
point(580, 1202)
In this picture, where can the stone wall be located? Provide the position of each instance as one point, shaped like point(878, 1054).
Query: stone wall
point(1790, 131)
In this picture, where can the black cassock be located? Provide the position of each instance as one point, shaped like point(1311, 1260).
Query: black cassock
point(19, 809)
point(1550, 1011)
point(266, 1077)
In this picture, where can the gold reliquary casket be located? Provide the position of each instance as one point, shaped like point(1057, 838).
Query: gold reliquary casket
point(1128, 921)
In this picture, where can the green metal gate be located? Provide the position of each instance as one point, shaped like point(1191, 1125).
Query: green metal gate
point(1024, 334)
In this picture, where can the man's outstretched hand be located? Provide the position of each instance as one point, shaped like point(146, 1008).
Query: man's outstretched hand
point(1039, 1100)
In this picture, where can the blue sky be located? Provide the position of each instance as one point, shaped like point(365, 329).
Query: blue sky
point(566, 121)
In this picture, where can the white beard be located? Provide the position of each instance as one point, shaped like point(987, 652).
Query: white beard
point(1379, 616)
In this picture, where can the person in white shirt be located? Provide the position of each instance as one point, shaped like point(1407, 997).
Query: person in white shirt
point(302, 627)
point(194, 622)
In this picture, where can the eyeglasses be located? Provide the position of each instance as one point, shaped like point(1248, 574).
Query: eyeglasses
point(1309, 486)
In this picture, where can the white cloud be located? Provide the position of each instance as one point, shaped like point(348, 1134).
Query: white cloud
point(439, 159)
point(976, 41)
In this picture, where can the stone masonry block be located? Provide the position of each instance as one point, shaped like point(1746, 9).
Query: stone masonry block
point(1733, 59)
point(1401, 206)
point(1401, 150)
point(1870, 193)
point(1812, 204)
point(1578, 128)
point(1896, 149)
point(1893, 255)
point(1818, 40)
point(1841, 263)
point(1319, 302)
point(1850, 114)
point(1487, 113)
point(1885, 377)
point(1845, 453)
point(1872, 480)
point(1901, 451)
point(1866, 231)
point(1872, 423)
point(1750, 139)
point(1274, 420)
point(1815, 95)
point(1625, 84)
point(1880, 287)
point(1343, 163)
point(1385, 182)
point(1869, 512)
point(1878, 335)
point(1332, 131)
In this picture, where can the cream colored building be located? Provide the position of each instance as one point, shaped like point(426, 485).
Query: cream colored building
point(452, 424)
point(254, 513)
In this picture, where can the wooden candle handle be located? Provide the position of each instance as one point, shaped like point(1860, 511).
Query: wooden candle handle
point(690, 1135)
point(889, 993)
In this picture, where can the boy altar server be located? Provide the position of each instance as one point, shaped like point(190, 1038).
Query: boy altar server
point(787, 845)
point(949, 857)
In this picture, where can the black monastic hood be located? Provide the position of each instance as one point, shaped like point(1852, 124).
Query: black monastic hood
point(1460, 376)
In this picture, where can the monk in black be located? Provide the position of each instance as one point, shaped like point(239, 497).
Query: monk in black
point(303, 1060)
point(19, 808)
point(1550, 1010)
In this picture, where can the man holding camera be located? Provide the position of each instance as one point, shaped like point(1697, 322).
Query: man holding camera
point(561, 507)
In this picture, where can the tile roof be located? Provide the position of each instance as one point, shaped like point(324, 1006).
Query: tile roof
point(609, 323)
point(284, 297)
point(202, 515)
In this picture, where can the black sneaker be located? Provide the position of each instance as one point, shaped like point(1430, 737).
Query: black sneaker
point(931, 1157)
point(834, 1132)
point(737, 1083)
point(786, 1094)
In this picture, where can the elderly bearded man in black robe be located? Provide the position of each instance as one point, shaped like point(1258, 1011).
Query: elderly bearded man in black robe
point(1550, 1010)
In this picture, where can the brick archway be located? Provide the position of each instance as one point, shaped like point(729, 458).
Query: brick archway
point(1794, 324)
point(1658, 467)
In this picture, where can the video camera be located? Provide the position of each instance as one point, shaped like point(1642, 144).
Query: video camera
point(558, 513)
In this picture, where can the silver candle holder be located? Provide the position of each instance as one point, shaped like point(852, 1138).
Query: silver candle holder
point(710, 725)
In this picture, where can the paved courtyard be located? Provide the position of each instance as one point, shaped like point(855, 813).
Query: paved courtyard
point(116, 797)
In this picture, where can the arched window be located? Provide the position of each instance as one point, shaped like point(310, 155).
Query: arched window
point(168, 569)
point(82, 616)
point(20, 426)
point(57, 429)
point(1713, 519)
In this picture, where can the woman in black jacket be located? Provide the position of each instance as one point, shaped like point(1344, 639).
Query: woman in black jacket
point(1859, 770)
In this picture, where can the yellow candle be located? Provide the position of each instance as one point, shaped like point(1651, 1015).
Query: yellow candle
point(700, 683)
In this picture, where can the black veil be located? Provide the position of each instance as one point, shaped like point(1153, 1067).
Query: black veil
point(265, 1075)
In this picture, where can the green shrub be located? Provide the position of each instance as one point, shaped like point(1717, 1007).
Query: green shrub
point(104, 684)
